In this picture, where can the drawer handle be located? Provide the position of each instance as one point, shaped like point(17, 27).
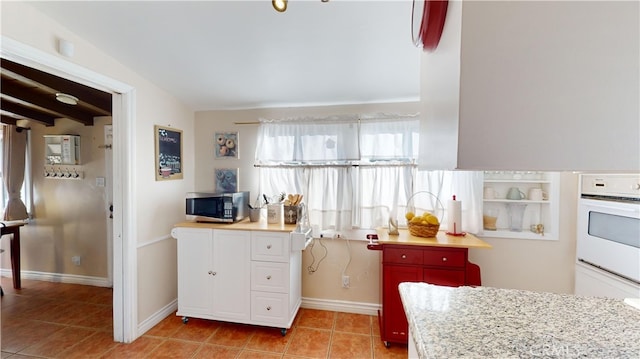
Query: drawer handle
point(404, 256)
point(444, 259)
point(212, 273)
point(269, 308)
point(268, 277)
point(268, 246)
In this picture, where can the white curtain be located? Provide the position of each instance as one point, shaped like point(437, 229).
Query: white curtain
point(353, 170)
point(13, 166)
point(465, 185)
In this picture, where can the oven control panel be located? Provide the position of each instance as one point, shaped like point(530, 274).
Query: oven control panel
point(611, 185)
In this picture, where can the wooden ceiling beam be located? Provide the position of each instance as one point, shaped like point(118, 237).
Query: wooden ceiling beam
point(30, 113)
point(97, 98)
point(44, 100)
point(8, 120)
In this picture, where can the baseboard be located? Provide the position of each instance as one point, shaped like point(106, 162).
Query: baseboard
point(341, 306)
point(60, 278)
point(157, 317)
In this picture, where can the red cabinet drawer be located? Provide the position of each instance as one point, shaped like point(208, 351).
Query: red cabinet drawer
point(444, 258)
point(402, 255)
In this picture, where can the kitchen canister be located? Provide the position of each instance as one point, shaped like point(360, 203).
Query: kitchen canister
point(275, 213)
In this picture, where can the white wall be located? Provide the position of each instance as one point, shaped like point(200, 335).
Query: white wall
point(157, 203)
point(534, 85)
point(550, 85)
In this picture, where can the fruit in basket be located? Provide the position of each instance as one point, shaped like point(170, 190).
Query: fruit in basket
point(431, 219)
point(416, 220)
point(409, 216)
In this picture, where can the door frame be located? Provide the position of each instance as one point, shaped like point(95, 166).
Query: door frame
point(124, 219)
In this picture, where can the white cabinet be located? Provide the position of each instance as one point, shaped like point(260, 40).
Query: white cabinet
point(525, 218)
point(251, 277)
point(276, 279)
point(213, 274)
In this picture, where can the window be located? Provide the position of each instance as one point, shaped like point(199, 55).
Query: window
point(358, 171)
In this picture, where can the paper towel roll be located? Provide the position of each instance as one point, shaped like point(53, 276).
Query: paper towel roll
point(454, 222)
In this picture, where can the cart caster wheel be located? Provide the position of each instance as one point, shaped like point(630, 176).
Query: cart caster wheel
point(386, 344)
point(185, 320)
point(283, 331)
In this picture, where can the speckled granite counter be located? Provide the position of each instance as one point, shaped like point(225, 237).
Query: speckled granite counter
point(484, 322)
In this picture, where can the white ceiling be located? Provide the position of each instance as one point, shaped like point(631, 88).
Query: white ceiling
point(243, 54)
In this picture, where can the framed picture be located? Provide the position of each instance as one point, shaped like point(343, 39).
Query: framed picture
point(168, 142)
point(226, 180)
point(226, 144)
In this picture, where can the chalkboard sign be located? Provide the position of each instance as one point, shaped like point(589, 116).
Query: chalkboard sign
point(168, 164)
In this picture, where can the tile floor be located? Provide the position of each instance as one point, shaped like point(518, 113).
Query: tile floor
point(53, 320)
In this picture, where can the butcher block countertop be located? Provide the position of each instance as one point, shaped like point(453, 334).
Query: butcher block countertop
point(441, 240)
point(485, 322)
point(244, 225)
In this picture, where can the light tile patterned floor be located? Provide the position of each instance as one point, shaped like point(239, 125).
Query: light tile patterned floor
point(53, 320)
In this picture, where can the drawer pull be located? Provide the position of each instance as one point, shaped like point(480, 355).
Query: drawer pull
point(444, 259)
point(268, 277)
point(404, 256)
point(269, 308)
point(268, 246)
point(212, 273)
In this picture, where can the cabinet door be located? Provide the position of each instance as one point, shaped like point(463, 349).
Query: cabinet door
point(395, 327)
point(195, 261)
point(231, 274)
point(448, 277)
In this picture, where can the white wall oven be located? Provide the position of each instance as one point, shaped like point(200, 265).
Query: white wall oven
point(608, 243)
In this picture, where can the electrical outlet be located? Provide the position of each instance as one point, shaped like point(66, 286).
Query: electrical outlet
point(75, 260)
point(345, 281)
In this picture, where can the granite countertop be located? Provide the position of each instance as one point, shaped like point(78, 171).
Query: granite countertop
point(485, 322)
point(442, 239)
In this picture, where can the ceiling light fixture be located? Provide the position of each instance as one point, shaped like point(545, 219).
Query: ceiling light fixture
point(279, 5)
point(66, 98)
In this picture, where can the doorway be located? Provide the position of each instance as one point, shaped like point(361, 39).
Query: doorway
point(124, 217)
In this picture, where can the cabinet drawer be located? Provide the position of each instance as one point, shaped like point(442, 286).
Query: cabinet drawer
point(402, 255)
point(269, 308)
point(268, 246)
point(444, 258)
point(270, 276)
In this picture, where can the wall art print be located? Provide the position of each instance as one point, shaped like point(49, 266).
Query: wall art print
point(226, 144)
point(168, 146)
point(226, 180)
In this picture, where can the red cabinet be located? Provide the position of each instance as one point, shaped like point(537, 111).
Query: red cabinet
point(409, 263)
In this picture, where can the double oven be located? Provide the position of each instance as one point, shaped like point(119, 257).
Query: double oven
point(608, 242)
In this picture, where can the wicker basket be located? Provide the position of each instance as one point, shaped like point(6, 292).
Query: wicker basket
point(423, 230)
point(426, 230)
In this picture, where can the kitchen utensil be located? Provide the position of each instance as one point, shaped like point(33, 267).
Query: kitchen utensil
point(490, 193)
point(489, 219)
point(255, 214)
point(275, 213)
point(537, 194)
point(516, 213)
point(515, 194)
